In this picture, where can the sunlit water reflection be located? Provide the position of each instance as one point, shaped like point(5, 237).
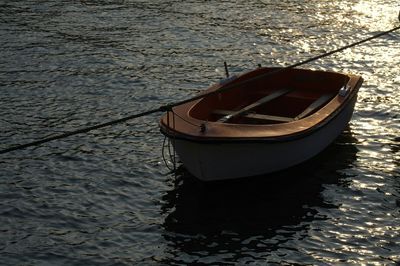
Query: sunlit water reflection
point(106, 197)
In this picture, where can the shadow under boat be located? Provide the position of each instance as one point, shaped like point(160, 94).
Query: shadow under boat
point(224, 214)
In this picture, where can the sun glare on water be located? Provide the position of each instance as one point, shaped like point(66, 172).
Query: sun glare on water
point(380, 16)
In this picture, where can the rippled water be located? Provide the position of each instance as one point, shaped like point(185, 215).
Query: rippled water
point(106, 198)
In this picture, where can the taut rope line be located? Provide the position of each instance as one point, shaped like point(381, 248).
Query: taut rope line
point(168, 107)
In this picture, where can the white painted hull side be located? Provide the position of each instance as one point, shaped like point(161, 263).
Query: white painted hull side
point(229, 160)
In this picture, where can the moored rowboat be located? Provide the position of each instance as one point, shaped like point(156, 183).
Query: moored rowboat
point(268, 120)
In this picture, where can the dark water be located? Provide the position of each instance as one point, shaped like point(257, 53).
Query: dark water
point(106, 197)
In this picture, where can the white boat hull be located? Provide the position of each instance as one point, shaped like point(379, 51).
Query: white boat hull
point(229, 160)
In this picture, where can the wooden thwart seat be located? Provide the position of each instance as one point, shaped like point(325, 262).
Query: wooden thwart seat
point(256, 116)
point(246, 111)
point(252, 106)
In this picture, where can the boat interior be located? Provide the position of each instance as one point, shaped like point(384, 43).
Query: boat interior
point(269, 99)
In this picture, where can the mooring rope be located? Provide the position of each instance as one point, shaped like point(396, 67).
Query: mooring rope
point(166, 145)
point(169, 107)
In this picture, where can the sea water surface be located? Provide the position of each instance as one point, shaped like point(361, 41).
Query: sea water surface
point(106, 198)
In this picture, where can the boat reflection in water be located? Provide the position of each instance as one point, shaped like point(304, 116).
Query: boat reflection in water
point(249, 215)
